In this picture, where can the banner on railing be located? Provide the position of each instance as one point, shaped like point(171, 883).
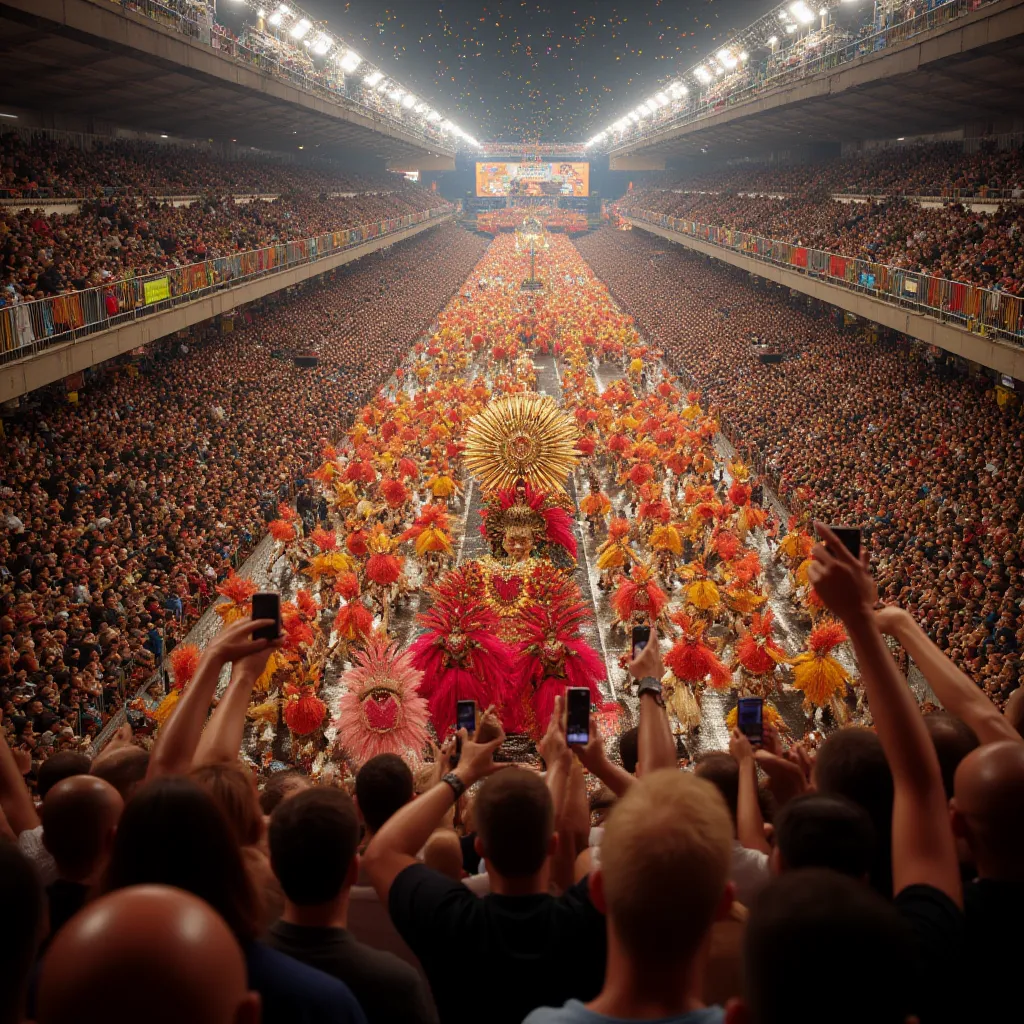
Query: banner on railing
point(156, 291)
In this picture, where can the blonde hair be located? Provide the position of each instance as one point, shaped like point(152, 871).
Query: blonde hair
point(665, 860)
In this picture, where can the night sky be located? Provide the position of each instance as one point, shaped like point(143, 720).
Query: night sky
point(520, 70)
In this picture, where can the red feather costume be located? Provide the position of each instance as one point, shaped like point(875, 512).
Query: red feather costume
point(460, 654)
point(691, 660)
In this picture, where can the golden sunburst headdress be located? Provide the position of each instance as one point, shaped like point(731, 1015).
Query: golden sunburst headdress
point(522, 437)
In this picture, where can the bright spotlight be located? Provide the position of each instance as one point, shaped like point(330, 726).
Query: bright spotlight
point(350, 60)
point(744, 56)
point(801, 12)
point(634, 116)
point(409, 101)
point(643, 110)
point(703, 74)
point(300, 28)
point(773, 41)
point(322, 43)
point(373, 78)
point(433, 116)
point(790, 29)
point(396, 94)
point(275, 19)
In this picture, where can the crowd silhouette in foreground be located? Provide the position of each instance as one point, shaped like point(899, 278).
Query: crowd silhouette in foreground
point(124, 511)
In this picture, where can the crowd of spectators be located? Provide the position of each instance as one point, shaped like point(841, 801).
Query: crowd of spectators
point(949, 241)
point(876, 871)
point(869, 433)
point(123, 511)
point(58, 168)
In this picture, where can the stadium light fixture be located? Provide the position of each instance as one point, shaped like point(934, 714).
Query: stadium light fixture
point(773, 42)
point(396, 94)
point(433, 117)
point(275, 19)
point(300, 28)
point(643, 110)
point(744, 56)
point(633, 116)
point(321, 44)
point(791, 28)
point(408, 101)
point(350, 60)
point(801, 12)
point(662, 99)
point(373, 78)
point(702, 74)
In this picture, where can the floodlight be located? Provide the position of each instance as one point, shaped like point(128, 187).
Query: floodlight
point(384, 86)
point(643, 110)
point(408, 101)
point(300, 28)
point(275, 19)
point(790, 28)
point(373, 78)
point(801, 12)
point(702, 73)
point(773, 41)
point(744, 56)
point(322, 43)
point(433, 116)
point(662, 99)
point(622, 124)
point(350, 60)
point(634, 116)
point(396, 94)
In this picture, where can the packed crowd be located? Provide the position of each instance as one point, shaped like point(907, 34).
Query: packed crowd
point(861, 432)
point(930, 169)
point(706, 895)
point(29, 166)
point(124, 511)
point(949, 241)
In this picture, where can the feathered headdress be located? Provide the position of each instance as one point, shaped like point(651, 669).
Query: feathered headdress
point(756, 651)
point(691, 660)
point(639, 594)
point(184, 662)
point(459, 653)
point(382, 711)
point(816, 672)
point(238, 591)
point(523, 507)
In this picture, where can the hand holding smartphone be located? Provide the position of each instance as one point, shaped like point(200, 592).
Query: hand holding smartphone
point(465, 718)
point(267, 605)
point(640, 639)
point(849, 536)
point(750, 719)
point(577, 716)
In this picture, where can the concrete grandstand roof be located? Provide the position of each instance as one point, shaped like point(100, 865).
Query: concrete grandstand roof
point(968, 72)
point(93, 63)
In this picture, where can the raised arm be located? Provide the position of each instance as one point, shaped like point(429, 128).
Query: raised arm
point(400, 838)
point(594, 758)
point(749, 821)
point(959, 695)
point(178, 740)
point(15, 799)
point(923, 848)
point(657, 748)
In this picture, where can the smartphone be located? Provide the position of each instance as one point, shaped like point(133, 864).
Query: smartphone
point(849, 536)
point(465, 716)
point(267, 605)
point(577, 715)
point(641, 638)
point(750, 719)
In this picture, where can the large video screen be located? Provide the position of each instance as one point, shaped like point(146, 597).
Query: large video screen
point(547, 179)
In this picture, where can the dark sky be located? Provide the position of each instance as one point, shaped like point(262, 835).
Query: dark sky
point(519, 70)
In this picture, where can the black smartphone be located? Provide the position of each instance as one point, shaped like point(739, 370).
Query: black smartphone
point(849, 537)
point(577, 715)
point(750, 719)
point(641, 638)
point(465, 716)
point(267, 605)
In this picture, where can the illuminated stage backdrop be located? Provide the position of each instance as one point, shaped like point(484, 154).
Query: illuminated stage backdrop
point(558, 178)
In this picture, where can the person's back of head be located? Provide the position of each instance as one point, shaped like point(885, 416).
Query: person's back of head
point(442, 852)
point(988, 809)
point(515, 823)
point(281, 785)
point(125, 770)
point(23, 902)
point(383, 785)
point(629, 749)
point(664, 875)
point(798, 922)
point(953, 740)
point(173, 833)
point(80, 816)
point(62, 765)
point(821, 831)
point(233, 789)
point(851, 763)
point(722, 771)
point(313, 837)
point(176, 961)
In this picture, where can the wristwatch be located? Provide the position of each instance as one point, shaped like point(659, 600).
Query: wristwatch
point(652, 686)
point(458, 786)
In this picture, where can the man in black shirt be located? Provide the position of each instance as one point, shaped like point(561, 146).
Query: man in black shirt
point(313, 840)
point(518, 948)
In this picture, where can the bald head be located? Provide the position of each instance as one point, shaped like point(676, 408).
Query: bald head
point(80, 818)
point(163, 941)
point(988, 802)
point(124, 769)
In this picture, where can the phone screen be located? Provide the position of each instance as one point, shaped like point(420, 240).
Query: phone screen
point(750, 718)
point(849, 537)
point(577, 715)
point(267, 605)
point(641, 637)
point(465, 716)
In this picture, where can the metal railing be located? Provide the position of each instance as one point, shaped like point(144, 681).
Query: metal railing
point(984, 311)
point(219, 41)
point(832, 56)
point(30, 327)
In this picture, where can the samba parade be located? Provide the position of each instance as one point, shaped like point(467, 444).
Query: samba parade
point(532, 484)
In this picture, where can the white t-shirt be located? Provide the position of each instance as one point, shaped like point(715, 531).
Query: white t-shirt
point(750, 872)
point(30, 842)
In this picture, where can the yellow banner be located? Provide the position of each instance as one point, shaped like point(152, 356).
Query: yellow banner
point(157, 291)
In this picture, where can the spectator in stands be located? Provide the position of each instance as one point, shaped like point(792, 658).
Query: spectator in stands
point(313, 842)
